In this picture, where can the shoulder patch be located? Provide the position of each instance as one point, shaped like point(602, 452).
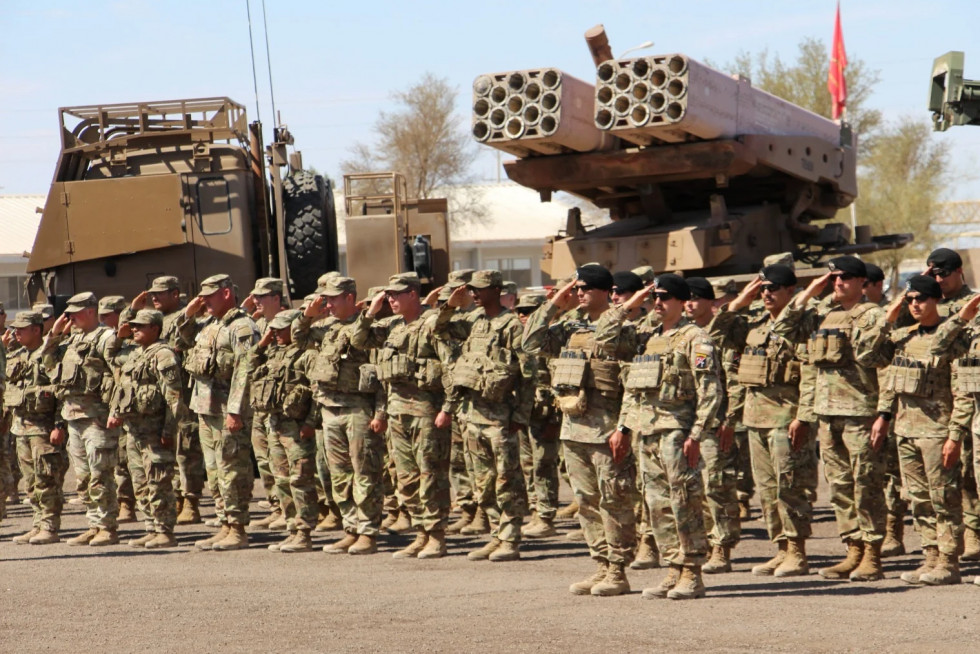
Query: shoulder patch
point(703, 353)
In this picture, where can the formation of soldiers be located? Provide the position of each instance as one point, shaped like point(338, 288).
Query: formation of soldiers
point(666, 402)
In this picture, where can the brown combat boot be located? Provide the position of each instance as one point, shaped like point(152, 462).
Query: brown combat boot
point(389, 519)
point(105, 537)
point(506, 551)
point(332, 522)
point(584, 587)
point(946, 571)
point(539, 528)
point(720, 561)
point(208, 543)
point(614, 583)
point(769, 567)
point(190, 513)
point(576, 536)
point(162, 540)
point(236, 539)
point(971, 546)
point(25, 538)
point(484, 552)
point(84, 538)
point(126, 513)
point(266, 521)
point(279, 524)
point(744, 511)
point(931, 553)
point(275, 547)
point(893, 544)
point(647, 556)
point(567, 512)
point(689, 586)
point(45, 537)
point(142, 540)
point(479, 525)
point(794, 564)
point(367, 544)
point(342, 545)
point(465, 518)
point(850, 563)
point(416, 546)
point(402, 524)
point(870, 567)
point(435, 546)
point(666, 585)
point(300, 543)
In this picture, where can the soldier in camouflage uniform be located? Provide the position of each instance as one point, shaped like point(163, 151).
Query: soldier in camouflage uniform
point(80, 364)
point(489, 390)
point(585, 375)
point(148, 404)
point(845, 347)
point(215, 357)
point(411, 371)
point(29, 401)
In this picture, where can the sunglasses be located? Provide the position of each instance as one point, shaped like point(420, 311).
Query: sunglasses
point(844, 276)
point(770, 288)
point(939, 272)
point(582, 288)
point(663, 296)
point(915, 298)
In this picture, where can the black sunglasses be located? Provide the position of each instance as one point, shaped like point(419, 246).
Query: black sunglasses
point(845, 276)
point(582, 288)
point(663, 296)
point(770, 288)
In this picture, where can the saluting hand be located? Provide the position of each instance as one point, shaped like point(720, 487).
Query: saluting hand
point(749, 293)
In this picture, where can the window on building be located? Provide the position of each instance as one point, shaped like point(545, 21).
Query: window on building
point(516, 270)
point(13, 293)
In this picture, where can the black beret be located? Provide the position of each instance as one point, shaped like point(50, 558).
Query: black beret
point(673, 284)
point(596, 276)
point(945, 259)
point(875, 274)
point(700, 287)
point(848, 264)
point(627, 282)
point(779, 273)
point(925, 286)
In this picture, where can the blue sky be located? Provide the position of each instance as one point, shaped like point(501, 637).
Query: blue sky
point(335, 64)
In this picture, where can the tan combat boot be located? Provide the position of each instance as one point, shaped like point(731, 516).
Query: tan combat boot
point(744, 510)
point(105, 537)
point(402, 524)
point(45, 537)
point(84, 538)
point(25, 538)
point(388, 521)
point(769, 567)
point(794, 564)
point(584, 587)
point(850, 563)
point(946, 571)
point(870, 567)
point(332, 522)
point(266, 521)
point(162, 540)
point(275, 547)
point(647, 557)
point(466, 517)
point(300, 543)
point(614, 583)
point(236, 539)
point(539, 528)
point(479, 525)
point(142, 540)
point(720, 560)
point(190, 513)
point(416, 546)
point(342, 545)
point(366, 544)
point(893, 544)
point(660, 590)
point(484, 552)
point(279, 524)
point(567, 512)
point(931, 553)
point(971, 546)
point(689, 586)
point(126, 513)
point(435, 546)
point(208, 543)
point(506, 551)
point(576, 536)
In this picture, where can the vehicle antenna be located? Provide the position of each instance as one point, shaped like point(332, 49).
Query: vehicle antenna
point(268, 61)
point(251, 47)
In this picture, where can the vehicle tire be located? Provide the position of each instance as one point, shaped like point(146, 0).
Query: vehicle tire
point(311, 230)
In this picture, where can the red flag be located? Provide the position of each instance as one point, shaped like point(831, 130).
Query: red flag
point(836, 83)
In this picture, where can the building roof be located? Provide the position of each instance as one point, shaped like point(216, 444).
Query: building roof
point(19, 218)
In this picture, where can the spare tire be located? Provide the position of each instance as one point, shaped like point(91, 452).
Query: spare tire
point(311, 230)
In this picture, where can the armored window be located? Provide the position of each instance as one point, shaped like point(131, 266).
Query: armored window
point(213, 206)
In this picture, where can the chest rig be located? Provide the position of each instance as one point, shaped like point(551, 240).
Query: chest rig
point(279, 387)
point(767, 359)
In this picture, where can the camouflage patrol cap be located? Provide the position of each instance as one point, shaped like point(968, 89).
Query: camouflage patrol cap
point(111, 304)
point(284, 319)
point(338, 285)
point(724, 286)
point(267, 286)
point(164, 284)
point(374, 290)
point(27, 318)
point(459, 278)
point(445, 292)
point(646, 273)
point(403, 282)
point(486, 279)
point(784, 258)
point(46, 310)
point(531, 300)
point(321, 281)
point(147, 317)
point(215, 283)
point(81, 301)
point(508, 288)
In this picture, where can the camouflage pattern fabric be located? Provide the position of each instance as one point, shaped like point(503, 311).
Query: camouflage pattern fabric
point(355, 456)
point(787, 481)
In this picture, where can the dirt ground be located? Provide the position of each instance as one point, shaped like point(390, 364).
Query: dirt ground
point(58, 598)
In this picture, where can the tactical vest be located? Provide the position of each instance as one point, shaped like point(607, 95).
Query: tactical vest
point(25, 391)
point(915, 371)
point(207, 360)
point(399, 360)
point(576, 369)
point(337, 366)
point(278, 387)
point(139, 390)
point(663, 367)
point(83, 371)
point(484, 365)
point(968, 370)
point(830, 346)
point(767, 360)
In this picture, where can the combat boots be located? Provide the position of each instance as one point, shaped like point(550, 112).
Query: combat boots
point(162, 540)
point(190, 513)
point(342, 545)
point(466, 517)
point(539, 528)
point(931, 559)
point(332, 522)
point(614, 583)
point(142, 540)
point(720, 561)
point(389, 519)
point(576, 536)
point(235, 540)
point(126, 513)
point(584, 587)
point(367, 544)
point(689, 586)
point(666, 585)
point(893, 544)
point(268, 520)
point(506, 551)
point(84, 538)
point(403, 523)
point(416, 546)
point(25, 538)
point(567, 512)
point(945, 572)
point(45, 537)
point(744, 511)
point(279, 524)
point(104, 537)
point(870, 567)
point(794, 564)
point(479, 525)
point(850, 563)
point(208, 543)
point(647, 556)
point(484, 552)
point(300, 543)
point(971, 546)
point(275, 547)
point(770, 566)
point(435, 546)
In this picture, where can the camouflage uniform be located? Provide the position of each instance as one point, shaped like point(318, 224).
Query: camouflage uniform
point(132, 484)
point(125, 490)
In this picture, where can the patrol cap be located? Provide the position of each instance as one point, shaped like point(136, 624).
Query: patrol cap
point(875, 273)
point(444, 293)
point(81, 301)
point(673, 284)
point(645, 273)
point(785, 258)
point(111, 304)
point(338, 285)
point(849, 265)
point(700, 287)
point(944, 259)
point(486, 279)
point(595, 276)
point(374, 290)
point(531, 300)
point(164, 284)
point(147, 317)
point(27, 318)
point(46, 310)
point(459, 278)
point(921, 284)
point(403, 282)
point(284, 319)
point(508, 288)
point(215, 283)
point(627, 282)
point(778, 273)
point(267, 286)
point(724, 286)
